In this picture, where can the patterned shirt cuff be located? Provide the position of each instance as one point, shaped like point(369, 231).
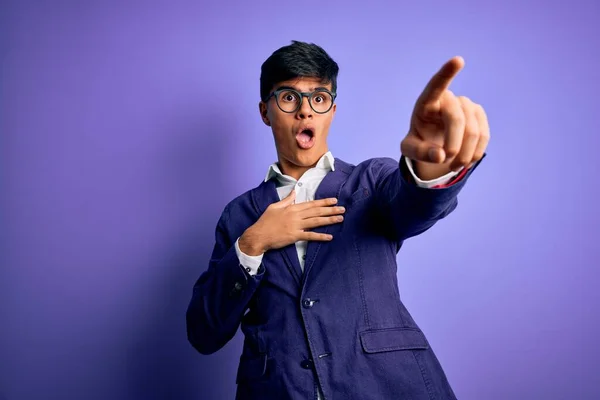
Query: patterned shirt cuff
point(442, 180)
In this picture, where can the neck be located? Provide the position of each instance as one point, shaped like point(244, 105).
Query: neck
point(295, 171)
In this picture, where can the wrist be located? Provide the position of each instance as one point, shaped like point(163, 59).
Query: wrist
point(250, 243)
point(429, 171)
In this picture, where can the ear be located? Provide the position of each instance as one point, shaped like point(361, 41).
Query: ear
point(262, 108)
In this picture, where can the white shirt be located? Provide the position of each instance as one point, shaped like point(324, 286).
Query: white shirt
point(306, 188)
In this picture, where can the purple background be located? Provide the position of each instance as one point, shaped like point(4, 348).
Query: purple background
point(125, 129)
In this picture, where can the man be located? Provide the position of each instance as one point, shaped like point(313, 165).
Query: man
point(306, 261)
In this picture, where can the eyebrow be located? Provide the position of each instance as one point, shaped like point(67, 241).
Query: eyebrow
point(298, 90)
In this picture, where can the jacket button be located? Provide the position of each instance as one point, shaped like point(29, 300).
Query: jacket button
point(306, 364)
point(307, 303)
point(238, 286)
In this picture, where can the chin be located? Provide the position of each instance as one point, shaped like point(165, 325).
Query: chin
point(308, 158)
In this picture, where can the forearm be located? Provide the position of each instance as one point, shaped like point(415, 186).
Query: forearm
point(413, 209)
point(409, 209)
point(219, 300)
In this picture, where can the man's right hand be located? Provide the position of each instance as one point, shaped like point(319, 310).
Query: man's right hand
point(284, 223)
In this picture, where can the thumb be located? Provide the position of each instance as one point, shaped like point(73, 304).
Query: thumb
point(417, 149)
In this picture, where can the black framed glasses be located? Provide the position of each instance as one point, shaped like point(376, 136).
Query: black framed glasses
point(290, 100)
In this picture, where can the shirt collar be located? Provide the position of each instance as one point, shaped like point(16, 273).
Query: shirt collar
point(326, 162)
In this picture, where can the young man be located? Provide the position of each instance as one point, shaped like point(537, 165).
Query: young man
point(306, 261)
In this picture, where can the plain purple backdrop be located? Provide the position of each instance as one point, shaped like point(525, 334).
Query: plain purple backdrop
point(126, 128)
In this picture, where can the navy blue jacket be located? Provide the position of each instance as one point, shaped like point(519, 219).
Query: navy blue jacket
point(340, 324)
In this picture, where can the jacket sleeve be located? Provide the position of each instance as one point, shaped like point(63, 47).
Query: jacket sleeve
point(221, 295)
point(407, 209)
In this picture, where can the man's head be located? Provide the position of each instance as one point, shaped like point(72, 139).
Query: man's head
point(299, 126)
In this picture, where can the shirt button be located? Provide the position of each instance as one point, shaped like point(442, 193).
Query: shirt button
point(304, 257)
point(299, 184)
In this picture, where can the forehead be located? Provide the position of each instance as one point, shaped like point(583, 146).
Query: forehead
point(304, 84)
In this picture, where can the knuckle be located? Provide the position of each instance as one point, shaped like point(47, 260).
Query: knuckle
point(458, 117)
point(471, 133)
point(462, 159)
point(452, 152)
point(467, 101)
point(480, 110)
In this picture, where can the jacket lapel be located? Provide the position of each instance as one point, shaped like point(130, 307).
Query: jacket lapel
point(330, 186)
point(265, 195)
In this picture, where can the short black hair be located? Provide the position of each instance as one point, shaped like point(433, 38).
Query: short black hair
point(298, 59)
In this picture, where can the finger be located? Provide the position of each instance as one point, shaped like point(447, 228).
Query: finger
point(321, 211)
point(453, 118)
point(440, 82)
point(419, 150)
point(288, 200)
point(470, 136)
point(316, 203)
point(314, 236)
point(320, 221)
point(484, 129)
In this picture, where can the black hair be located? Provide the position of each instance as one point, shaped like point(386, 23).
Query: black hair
point(298, 59)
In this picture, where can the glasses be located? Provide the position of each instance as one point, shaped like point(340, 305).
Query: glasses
point(289, 100)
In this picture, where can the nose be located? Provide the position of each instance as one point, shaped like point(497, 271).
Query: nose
point(305, 110)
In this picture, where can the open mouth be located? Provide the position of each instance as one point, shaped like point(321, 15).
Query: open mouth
point(306, 138)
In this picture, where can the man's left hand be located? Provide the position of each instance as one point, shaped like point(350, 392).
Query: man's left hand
point(446, 132)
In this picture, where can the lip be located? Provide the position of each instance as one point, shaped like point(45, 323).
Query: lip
point(302, 143)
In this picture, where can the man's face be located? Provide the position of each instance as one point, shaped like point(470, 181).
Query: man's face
point(300, 136)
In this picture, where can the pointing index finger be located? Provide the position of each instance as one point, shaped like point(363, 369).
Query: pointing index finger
point(442, 79)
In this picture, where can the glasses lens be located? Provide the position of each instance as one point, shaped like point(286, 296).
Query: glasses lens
point(288, 100)
point(321, 101)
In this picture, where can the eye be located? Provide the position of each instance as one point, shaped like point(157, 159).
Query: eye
point(288, 97)
point(319, 98)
